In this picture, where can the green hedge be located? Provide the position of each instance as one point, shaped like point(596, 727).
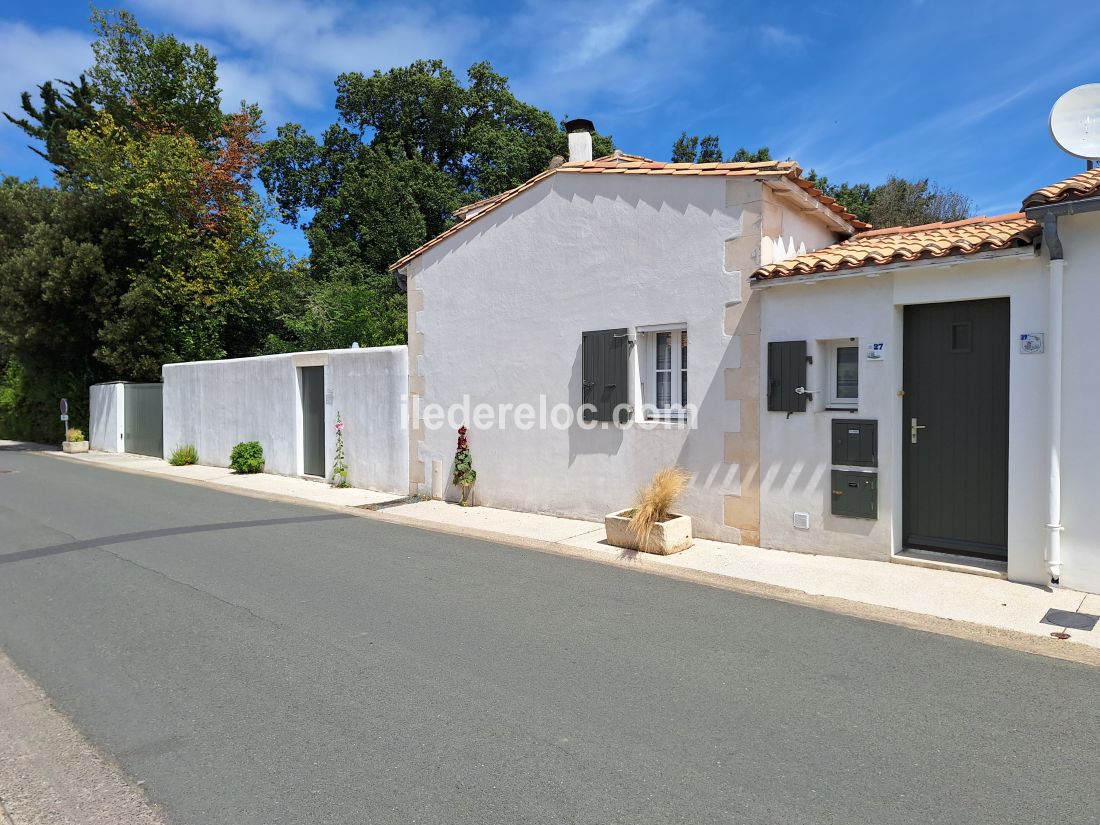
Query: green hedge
point(29, 401)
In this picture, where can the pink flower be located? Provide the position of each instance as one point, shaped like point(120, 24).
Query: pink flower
point(339, 426)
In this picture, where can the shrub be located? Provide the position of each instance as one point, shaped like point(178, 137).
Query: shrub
point(655, 501)
point(184, 455)
point(247, 457)
point(29, 396)
point(74, 434)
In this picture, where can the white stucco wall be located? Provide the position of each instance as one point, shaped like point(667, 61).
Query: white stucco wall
point(505, 303)
point(790, 231)
point(1080, 236)
point(105, 417)
point(796, 451)
point(214, 405)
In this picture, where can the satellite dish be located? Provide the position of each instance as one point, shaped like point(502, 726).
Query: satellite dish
point(1075, 121)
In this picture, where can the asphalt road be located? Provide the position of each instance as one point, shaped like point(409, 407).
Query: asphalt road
point(257, 662)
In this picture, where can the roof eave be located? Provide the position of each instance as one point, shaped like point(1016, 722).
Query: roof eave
point(834, 220)
point(1069, 206)
point(874, 271)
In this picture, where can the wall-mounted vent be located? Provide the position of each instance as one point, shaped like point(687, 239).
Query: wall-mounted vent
point(802, 521)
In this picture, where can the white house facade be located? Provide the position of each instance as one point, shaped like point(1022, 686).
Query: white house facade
point(947, 406)
point(621, 283)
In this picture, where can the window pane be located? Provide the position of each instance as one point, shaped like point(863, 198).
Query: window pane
point(847, 372)
point(683, 367)
point(664, 350)
point(960, 337)
point(664, 390)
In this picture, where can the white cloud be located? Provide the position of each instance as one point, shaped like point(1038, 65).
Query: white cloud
point(781, 38)
point(29, 57)
point(588, 57)
point(285, 54)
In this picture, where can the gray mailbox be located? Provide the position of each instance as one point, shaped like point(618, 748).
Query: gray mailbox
point(855, 442)
point(855, 494)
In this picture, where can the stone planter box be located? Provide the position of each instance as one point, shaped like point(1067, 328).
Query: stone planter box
point(74, 446)
point(667, 537)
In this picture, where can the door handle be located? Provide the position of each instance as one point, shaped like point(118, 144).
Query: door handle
point(913, 427)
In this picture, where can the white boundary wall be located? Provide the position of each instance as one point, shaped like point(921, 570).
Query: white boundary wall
point(105, 417)
point(215, 405)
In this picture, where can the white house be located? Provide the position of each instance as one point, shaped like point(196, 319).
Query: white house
point(947, 397)
point(621, 283)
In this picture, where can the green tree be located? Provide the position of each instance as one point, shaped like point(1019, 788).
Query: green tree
point(900, 202)
point(137, 75)
point(200, 272)
point(151, 248)
point(65, 105)
point(743, 155)
point(55, 285)
point(410, 146)
point(708, 149)
point(897, 202)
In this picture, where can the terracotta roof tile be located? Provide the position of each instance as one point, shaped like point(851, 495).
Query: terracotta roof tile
point(1085, 185)
point(895, 244)
point(623, 164)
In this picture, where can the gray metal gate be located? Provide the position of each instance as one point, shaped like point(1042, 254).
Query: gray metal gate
point(143, 419)
point(313, 421)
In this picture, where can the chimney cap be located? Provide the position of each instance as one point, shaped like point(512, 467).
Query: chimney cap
point(579, 124)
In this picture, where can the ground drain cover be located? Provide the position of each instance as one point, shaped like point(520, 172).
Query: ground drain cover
point(397, 502)
point(1067, 618)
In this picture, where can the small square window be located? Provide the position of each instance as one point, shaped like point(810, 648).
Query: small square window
point(842, 359)
point(961, 337)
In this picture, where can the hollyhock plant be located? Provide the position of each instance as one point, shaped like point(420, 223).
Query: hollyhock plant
point(339, 463)
point(464, 472)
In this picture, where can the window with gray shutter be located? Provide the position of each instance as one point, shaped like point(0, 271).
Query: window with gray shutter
point(786, 372)
point(604, 373)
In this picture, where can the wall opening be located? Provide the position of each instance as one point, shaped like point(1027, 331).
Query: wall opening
point(312, 384)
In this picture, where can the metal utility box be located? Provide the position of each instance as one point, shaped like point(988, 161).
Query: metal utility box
point(855, 442)
point(855, 494)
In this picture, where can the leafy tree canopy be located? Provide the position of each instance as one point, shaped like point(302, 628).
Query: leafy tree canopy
point(409, 147)
point(897, 202)
point(137, 76)
point(151, 248)
point(708, 149)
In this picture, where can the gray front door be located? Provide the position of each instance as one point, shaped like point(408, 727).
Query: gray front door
point(143, 419)
point(955, 427)
point(313, 420)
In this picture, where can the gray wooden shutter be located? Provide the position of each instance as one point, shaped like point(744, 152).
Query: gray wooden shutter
point(604, 373)
point(786, 372)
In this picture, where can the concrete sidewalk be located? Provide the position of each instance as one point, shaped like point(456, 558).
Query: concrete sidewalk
point(949, 601)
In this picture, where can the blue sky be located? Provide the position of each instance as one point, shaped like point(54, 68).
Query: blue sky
point(956, 91)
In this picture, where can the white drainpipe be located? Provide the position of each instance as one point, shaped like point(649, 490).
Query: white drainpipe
point(1054, 412)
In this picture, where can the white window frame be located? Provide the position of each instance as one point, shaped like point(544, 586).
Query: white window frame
point(832, 401)
point(647, 338)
